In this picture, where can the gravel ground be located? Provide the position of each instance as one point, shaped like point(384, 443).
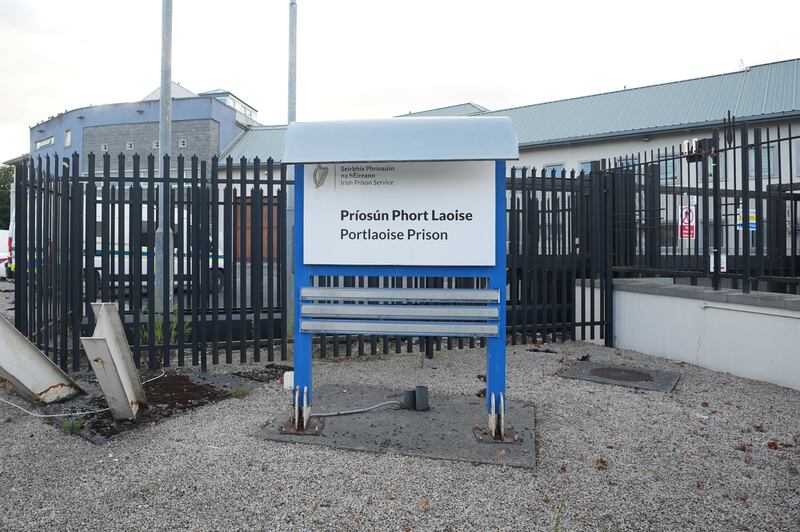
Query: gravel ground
point(7, 299)
point(609, 458)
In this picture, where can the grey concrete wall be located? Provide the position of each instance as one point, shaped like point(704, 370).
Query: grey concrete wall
point(202, 139)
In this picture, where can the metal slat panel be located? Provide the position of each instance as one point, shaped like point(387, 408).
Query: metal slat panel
point(399, 327)
point(399, 311)
point(400, 294)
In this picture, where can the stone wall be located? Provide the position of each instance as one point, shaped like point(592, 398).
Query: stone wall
point(201, 136)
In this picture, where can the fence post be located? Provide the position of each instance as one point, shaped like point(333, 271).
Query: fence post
point(513, 243)
point(64, 256)
point(652, 215)
point(76, 238)
point(164, 246)
point(745, 143)
point(285, 253)
point(30, 246)
point(757, 196)
point(608, 288)
point(90, 219)
point(715, 280)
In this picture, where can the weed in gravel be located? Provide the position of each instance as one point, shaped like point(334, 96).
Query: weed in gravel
point(241, 392)
point(560, 510)
point(70, 426)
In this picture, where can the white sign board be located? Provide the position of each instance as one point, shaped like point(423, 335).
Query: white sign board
point(403, 214)
point(686, 230)
point(751, 219)
point(723, 263)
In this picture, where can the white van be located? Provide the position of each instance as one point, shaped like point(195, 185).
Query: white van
point(7, 250)
point(124, 248)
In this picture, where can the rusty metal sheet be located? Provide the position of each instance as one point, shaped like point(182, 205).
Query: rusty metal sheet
point(30, 371)
point(108, 377)
point(111, 359)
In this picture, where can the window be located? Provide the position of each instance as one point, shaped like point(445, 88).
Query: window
point(668, 169)
point(43, 143)
point(550, 168)
point(586, 167)
point(627, 162)
point(155, 144)
point(182, 143)
point(67, 138)
point(668, 236)
point(769, 162)
point(129, 145)
point(796, 162)
point(104, 146)
point(519, 169)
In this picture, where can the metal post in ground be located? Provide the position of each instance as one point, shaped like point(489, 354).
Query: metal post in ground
point(292, 61)
point(163, 269)
point(289, 193)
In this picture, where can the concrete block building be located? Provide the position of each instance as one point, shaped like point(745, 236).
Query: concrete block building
point(204, 124)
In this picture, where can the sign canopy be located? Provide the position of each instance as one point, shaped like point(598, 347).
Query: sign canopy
point(401, 139)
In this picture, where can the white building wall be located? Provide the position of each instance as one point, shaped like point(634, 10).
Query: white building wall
point(572, 155)
point(784, 169)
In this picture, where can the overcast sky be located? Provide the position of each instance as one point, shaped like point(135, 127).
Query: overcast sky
point(371, 58)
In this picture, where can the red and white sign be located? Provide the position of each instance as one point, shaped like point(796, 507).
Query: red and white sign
point(723, 263)
point(686, 230)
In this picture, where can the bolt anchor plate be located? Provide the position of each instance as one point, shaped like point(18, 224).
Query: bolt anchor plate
point(314, 427)
point(484, 436)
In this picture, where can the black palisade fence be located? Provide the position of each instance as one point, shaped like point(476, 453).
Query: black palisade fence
point(90, 236)
point(559, 267)
point(720, 211)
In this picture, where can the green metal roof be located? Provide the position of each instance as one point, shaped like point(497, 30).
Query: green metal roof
point(259, 141)
point(461, 109)
point(758, 92)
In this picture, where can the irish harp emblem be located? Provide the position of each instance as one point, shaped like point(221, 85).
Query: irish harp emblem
point(320, 173)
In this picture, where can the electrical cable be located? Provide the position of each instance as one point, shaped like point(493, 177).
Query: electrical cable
point(357, 411)
point(54, 415)
point(154, 378)
point(72, 414)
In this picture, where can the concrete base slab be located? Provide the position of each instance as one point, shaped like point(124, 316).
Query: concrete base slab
point(644, 379)
point(444, 432)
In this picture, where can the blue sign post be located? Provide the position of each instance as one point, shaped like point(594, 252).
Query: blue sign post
point(401, 198)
